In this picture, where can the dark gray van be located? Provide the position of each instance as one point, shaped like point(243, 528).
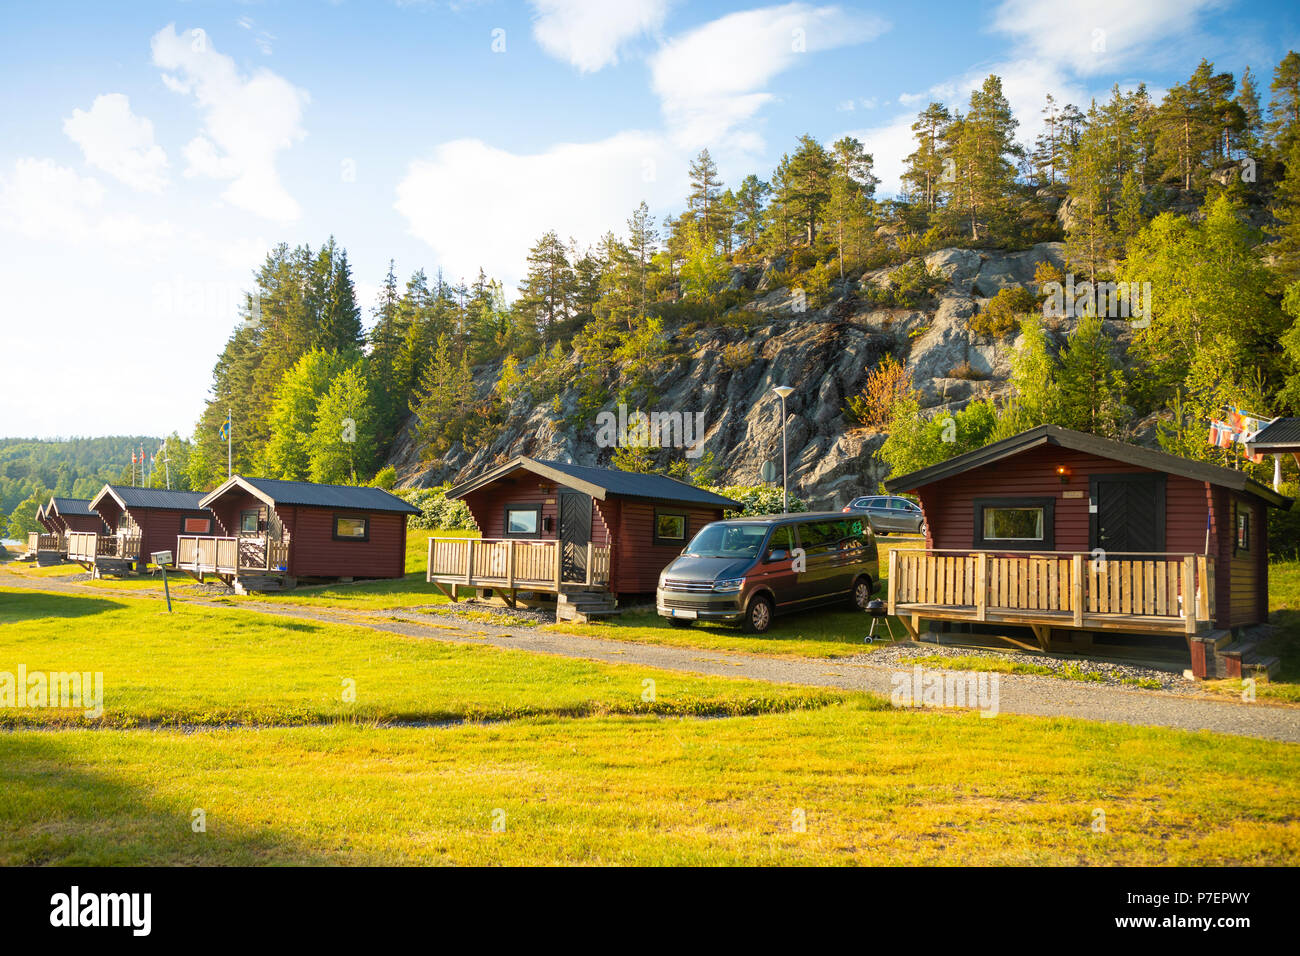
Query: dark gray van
point(748, 570)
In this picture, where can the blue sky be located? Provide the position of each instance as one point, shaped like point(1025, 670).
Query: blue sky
point(150, 155)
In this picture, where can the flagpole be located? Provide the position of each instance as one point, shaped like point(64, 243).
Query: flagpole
point(230, 455)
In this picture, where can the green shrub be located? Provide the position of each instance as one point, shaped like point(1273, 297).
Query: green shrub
point(1002, 314)
point(437, 511)
point(756, 499)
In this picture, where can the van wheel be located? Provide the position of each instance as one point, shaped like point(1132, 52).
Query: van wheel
point(861, 593)
point(680, 621)
point(758, 616)
point(922, 529)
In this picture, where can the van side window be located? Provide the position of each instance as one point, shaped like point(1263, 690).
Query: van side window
point(816, 537)
point(781, 540)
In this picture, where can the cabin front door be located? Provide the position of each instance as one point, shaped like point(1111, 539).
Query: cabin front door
point(575, 533)
point(1127, 514)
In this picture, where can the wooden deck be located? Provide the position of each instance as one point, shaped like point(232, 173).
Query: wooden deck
point(1139, 594)
point(232, 557)
point(91, 550)
point(515, 564)
point(38, 542)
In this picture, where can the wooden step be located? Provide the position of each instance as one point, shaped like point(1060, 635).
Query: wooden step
point(250, 583)
point(1265, 666)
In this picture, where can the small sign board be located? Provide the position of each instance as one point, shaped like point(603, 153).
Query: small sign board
point(768, 472)
point(162, 558)
point(1071, 494)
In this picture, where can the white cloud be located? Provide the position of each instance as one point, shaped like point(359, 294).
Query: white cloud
point(114, 139)
point(1095, 36)
point(40, 199)
point(711, 80)
point(248, 120)
point(477, 205)
point(590, 33)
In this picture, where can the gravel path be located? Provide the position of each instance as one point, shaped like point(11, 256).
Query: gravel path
point(1018, 693)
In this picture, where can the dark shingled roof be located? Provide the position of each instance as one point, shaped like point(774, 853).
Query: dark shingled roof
point(156, 498)
point(73, 506)
point(602, 482)
point(308, 494)
point(1091, 445)
point(1283, 431)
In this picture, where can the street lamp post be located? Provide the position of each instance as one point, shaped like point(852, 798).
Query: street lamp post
point(783, 391)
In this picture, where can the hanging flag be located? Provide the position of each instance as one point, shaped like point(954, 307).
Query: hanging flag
point(225, 429)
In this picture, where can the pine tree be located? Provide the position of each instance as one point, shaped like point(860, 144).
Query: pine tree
point(706, 189)
point(1090, 381)
point(547, 293)
point(642, 239)
point(853, 186)
point(1286, 210)
point(1284, 107)
point(802, 185)
point(751, 199)
point(983, 151)
point(925, 167)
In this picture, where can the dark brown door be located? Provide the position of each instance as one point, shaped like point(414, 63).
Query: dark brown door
point(575, 533)
point(1129, 515)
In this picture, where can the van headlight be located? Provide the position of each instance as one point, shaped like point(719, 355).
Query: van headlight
point(732, 585)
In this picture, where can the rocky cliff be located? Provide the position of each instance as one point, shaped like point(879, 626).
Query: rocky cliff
point(823, 353)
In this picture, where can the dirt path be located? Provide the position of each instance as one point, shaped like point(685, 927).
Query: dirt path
point(1018, 694)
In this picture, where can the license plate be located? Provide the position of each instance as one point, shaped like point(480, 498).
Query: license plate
point(678, 612)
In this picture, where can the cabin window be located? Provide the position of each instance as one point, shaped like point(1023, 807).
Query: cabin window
point(249, 522)
point(196, 526)
point(349, 528)
point(1243, 530)
point(670, 528)
point(523, 521)
point(1015, 524)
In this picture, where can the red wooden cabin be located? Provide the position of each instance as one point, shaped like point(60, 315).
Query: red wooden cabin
point(279, 532)
point(555, 527)
point(61, 515)
point(1056, 529)
point(138, 522)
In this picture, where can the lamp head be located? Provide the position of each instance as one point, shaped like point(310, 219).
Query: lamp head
point(783, 390)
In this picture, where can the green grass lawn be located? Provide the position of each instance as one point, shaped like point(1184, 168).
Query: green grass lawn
point(569, 755)
point(235, 666)
point(871, 786)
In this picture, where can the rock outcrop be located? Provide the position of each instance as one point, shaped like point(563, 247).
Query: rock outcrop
point(824, 354)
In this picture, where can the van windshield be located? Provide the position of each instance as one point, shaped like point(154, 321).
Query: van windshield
point(723, 540)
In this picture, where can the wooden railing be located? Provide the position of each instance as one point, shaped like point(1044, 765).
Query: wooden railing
point(511, 563)
point(226, 555)
point(1070, 586)
point(38, 541)
point(86, 546)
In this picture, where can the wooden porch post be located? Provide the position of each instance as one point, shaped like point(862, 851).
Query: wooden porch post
point(981, 586)
point(469, 561)
point(1076, 588)
point(510, 564)
point(1203, 597)
point(588, 564)
point(558, 564)
point(893, 583)
point(1189, 595)
point(428, 562)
